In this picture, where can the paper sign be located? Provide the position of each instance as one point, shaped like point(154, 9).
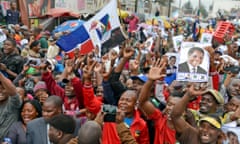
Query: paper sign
point(193, 65)
point(206, 38)
point(232, 135)
point(149, 43)
point(177, 41)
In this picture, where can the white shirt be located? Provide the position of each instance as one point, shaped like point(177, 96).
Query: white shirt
point(191, 68)
point(48, 140)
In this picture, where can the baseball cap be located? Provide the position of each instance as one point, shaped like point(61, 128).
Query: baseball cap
point(218, 97)
point(213, 121)
point(143, 78)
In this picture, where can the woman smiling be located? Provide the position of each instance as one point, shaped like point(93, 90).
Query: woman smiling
point(30, 110)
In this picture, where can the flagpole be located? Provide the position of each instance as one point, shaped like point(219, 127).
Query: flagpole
point(119, 10)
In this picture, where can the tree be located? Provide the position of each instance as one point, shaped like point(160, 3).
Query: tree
point(203, 11)
point(163, 2)
point(187, 7)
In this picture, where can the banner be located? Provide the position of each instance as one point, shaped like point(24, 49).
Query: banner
point(74, 5)
point(194, 63)
point(206, 38)
point(5, 6)
point(37, 8)
point(232, 134)
point(103, 30)
point(177, 41)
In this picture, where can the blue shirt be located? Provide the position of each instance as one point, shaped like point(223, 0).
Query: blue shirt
point(12, 17)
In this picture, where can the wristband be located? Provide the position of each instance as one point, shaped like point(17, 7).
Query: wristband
point(228, 43)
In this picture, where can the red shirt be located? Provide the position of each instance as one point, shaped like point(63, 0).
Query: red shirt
point(138, 130)
point(74, 104)
point(163, 134)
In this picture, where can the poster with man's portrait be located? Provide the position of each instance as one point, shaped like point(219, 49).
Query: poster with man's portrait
point(232, 135)
point(193, 63)
point(206, 38)
point(177, 41)
point(171, 68)
point(37, 8)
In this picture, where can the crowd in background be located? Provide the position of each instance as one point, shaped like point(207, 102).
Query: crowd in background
point(128, 95)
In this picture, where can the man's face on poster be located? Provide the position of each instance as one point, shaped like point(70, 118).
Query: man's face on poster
point(196, 58)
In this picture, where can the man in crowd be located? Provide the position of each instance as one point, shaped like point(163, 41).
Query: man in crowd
point(209, 129)
point(37, 130)
point(61, 129)
point(195, 59)
point(11, 63)
point(12, 14)
point(10, 104)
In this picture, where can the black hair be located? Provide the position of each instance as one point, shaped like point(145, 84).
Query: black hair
point(231, 133)
point(55, 100)
point(14, 43)
point(195, 49)
point(64, 123)
point(34, 44)
point(237, 97)
point(35, 104)
point(172, 57)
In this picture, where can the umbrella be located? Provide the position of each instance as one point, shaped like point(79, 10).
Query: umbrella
point(58, 12)
point(69, 25)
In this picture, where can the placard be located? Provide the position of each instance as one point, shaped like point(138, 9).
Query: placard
point(177, 41)
point(193, 65)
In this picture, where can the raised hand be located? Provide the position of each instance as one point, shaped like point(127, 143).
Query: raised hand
point(157, 70)
point(98, 68)
point(87, 71)
point(69, 66)
point(105, 58)
point(128, 52)
point(134, 65)
point(113, 55)
point(210, 50)
point(195, 89)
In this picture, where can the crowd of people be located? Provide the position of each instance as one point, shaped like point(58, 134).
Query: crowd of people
point(128, 95)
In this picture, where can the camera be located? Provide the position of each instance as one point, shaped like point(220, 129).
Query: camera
point(232, 69)
point(110, 113)
point(109, 109)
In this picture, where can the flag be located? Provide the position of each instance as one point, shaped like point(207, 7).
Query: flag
point(102, 30)
point(79, 36)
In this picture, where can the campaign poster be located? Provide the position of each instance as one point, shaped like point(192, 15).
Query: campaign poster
point(37, 8)
point(232, 135)
point(149, 43)
point(171, 68)
point(177, 41)
point(74, 5)
point(206, 38)
point(193, 65)
point(5, 6)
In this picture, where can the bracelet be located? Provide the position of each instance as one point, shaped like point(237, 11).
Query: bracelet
point(228, 43)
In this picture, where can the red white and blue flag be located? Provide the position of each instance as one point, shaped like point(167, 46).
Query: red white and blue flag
point(97, 31)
